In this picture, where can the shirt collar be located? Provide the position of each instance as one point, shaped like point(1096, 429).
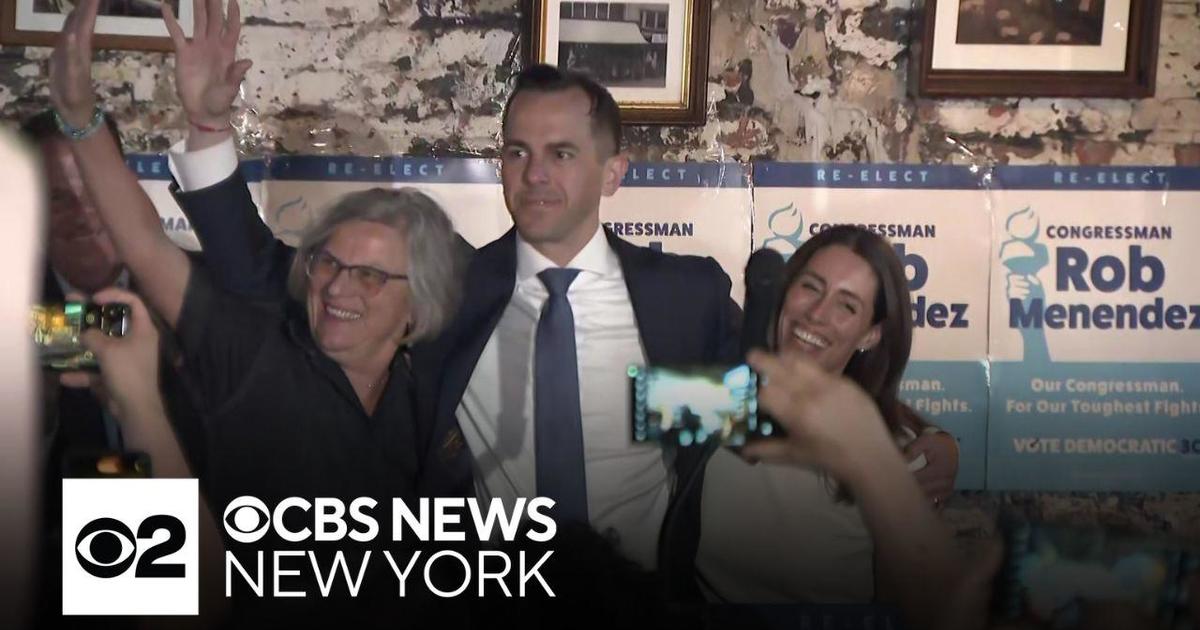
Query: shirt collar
point(596, 257)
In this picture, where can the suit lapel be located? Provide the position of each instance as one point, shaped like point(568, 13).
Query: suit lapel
point(487, 290)
point(650, 304)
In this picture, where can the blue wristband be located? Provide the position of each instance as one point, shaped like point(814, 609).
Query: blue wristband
point(75, 133)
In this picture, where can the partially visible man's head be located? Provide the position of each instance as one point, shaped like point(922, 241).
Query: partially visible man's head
point(78, 246)
point(561, 154)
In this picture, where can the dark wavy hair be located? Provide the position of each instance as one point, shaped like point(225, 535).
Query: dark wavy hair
point(605, 113)
point(877, 370)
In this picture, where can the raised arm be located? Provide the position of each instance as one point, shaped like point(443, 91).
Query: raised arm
point(160, 268)
point(207, 70)
point(241, 253)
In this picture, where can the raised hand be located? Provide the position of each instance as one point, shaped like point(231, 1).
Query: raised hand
point(936, 478)
point(830, 422)
point(71, 88)
point(207, 71)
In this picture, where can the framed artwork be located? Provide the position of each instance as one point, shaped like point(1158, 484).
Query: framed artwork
point(652, 56)
point(124, 24)
point(1073, 48)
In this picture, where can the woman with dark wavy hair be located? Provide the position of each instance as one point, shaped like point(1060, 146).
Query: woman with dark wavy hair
point(865, 337)
point(812, 523)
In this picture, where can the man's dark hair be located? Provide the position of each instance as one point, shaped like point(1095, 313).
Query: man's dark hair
point(605, 114)
point(41, 127)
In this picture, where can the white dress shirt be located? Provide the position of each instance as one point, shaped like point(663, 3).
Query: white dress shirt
point(194, 170)
point(627, 483)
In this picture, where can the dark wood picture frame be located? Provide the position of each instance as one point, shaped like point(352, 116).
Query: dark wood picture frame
point(1135, 81)
point(11, 34)
point(692, 105)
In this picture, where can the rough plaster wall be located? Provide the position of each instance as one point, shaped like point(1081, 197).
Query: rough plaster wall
point(794, 80)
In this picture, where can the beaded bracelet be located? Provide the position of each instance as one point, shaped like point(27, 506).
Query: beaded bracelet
point(76, 133)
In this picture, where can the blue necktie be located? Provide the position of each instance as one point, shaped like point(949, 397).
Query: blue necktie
point(557, 421)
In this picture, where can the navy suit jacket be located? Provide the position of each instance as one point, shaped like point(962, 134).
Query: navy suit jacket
point(681, 304)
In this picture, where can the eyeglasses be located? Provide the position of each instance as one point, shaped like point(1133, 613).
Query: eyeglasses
point(323, 267)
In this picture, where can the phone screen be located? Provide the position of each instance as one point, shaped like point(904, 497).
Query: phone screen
point(56, 328)
point(685, 406)
point(1069, 577)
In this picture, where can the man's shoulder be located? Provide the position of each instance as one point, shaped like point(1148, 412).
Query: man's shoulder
point(501, 248)
point(665, 262)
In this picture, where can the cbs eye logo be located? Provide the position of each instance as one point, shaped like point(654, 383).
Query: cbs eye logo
point(107, 548)
point(246, 519)
point(130, 547)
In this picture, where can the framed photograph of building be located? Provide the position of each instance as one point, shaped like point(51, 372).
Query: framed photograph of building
point(123, 24)
point(652, 55)
point(1073, 48)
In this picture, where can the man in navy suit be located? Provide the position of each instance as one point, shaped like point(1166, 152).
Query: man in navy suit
point(631, 305)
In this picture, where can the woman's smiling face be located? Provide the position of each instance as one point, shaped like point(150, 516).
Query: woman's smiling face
point(828, 310)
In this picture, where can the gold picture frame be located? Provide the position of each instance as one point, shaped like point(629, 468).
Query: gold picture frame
point(121, 24)
point(652, 55)
point(1064, 48)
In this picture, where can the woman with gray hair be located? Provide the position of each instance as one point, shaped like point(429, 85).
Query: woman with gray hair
point(311, 400)
point(433, 283)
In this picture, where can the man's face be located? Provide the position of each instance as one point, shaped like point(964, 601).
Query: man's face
point(78, 246)
point(554, 170)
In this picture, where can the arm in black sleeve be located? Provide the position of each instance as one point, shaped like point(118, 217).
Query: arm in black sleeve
point(241, 253)
point(220, 337)
point(727, 319)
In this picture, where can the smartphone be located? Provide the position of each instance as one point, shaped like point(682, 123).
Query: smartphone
point(56, 329)
point(686, 406)
point(1069, 577)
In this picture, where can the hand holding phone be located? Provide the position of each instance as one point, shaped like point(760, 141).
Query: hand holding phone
point(58, 329)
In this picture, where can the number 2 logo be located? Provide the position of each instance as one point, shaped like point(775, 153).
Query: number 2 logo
point(106, 547)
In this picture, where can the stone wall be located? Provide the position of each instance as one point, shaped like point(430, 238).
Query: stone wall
point(794, 80)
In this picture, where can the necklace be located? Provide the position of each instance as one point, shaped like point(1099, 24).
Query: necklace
point(379, 381)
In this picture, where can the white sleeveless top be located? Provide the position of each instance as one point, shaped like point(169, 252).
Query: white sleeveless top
point(773, 533)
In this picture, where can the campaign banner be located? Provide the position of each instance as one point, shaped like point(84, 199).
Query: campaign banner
point(685, 208)
point(1054, 326)
point(298, 189)
point(1094, 320)
point(937, 221)
point(699, 209)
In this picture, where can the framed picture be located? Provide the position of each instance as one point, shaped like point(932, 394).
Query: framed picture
point(652, 55)
point(125, 24)
point(1074, 48)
